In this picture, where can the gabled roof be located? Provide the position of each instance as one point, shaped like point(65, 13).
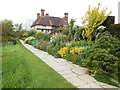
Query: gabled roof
point(50, 21)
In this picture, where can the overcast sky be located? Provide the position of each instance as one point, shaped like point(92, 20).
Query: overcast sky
point(20, 10)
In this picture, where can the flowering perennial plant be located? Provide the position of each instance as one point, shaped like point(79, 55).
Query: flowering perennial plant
point(63, 51)
point(76, 50)
point(73, 50)
point(29, 39)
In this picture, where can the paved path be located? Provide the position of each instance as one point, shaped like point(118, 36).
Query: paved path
point(71, 72)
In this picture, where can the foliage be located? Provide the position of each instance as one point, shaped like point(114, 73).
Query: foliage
point(101, 61)
point(59, 40)
point(109, 43)
point(105, 79)
point(43, 45)
point(8, 35)
point(32, 33)
point(35, 43)
point(105, 33)
point(24, 36)
point(71, 30)
point(29, 39)
point(55, 36)
point(103, 57)
point(72, 21)
point(61, 30)
point(45, 37)
point(51, 50)
point(78, 34)
point(114, 29)
point(18, 26)
point(82, 43)
point(93, 19)
point(39, 35)
point(110, 20)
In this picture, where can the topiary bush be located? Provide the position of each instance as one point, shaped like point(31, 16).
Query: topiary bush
point(114, 29)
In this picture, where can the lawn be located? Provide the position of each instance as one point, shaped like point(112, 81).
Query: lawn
point(22, 69)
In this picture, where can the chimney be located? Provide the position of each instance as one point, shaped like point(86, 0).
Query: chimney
point(38, 15)
point(65, 19)
point(66, 15)
point(47, 14)
point(42, 12)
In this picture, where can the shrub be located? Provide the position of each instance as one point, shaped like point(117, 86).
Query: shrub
point(106, 33)
point(103, 57)
point(43, 45)
point(110, 20)
point(101, 61)
point(78, 34)
point(35, 43)
point(109, 43)
point(24, 36)
point(51, 50)
point(62, 39)
point(61, 30)
point(114, 29)
point(32, 33)
point(39, 35)
point(55, 36)
point(82, 43)
point(29, 39)
point(43, 36)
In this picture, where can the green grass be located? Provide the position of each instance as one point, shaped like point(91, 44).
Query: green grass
point(22, 69)
point(0, 65)
point(105, 79)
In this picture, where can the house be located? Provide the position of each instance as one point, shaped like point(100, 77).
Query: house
point(45, 23)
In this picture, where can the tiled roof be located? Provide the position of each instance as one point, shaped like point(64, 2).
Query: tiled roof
point(50, 21)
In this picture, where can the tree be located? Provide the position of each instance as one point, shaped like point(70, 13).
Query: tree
point(18, 26)
point(7, 30)
point(71, 31)
point(92, 20)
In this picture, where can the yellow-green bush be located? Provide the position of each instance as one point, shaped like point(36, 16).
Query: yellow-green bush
point(29, 39)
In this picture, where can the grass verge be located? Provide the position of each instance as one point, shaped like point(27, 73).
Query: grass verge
point(22, 69)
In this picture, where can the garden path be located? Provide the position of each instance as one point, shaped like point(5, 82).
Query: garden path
point(71, 72)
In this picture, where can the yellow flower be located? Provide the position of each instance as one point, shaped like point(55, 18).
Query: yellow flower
point(72, 51)
point(63, 51)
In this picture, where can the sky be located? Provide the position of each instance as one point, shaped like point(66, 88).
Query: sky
point(25, 11)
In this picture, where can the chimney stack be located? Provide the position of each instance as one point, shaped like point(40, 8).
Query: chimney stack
point(47, 14)
point(42, 12)
point(38, 15)
point(66, 15)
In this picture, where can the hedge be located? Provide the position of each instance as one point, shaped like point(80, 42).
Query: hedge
point(114, 29)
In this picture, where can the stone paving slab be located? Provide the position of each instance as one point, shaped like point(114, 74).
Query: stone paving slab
point(71, 72)
point(94, 85)
point(79, 70)
point(87, 78)
point(76, 81)
point(69, 75)
point(64, 72)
